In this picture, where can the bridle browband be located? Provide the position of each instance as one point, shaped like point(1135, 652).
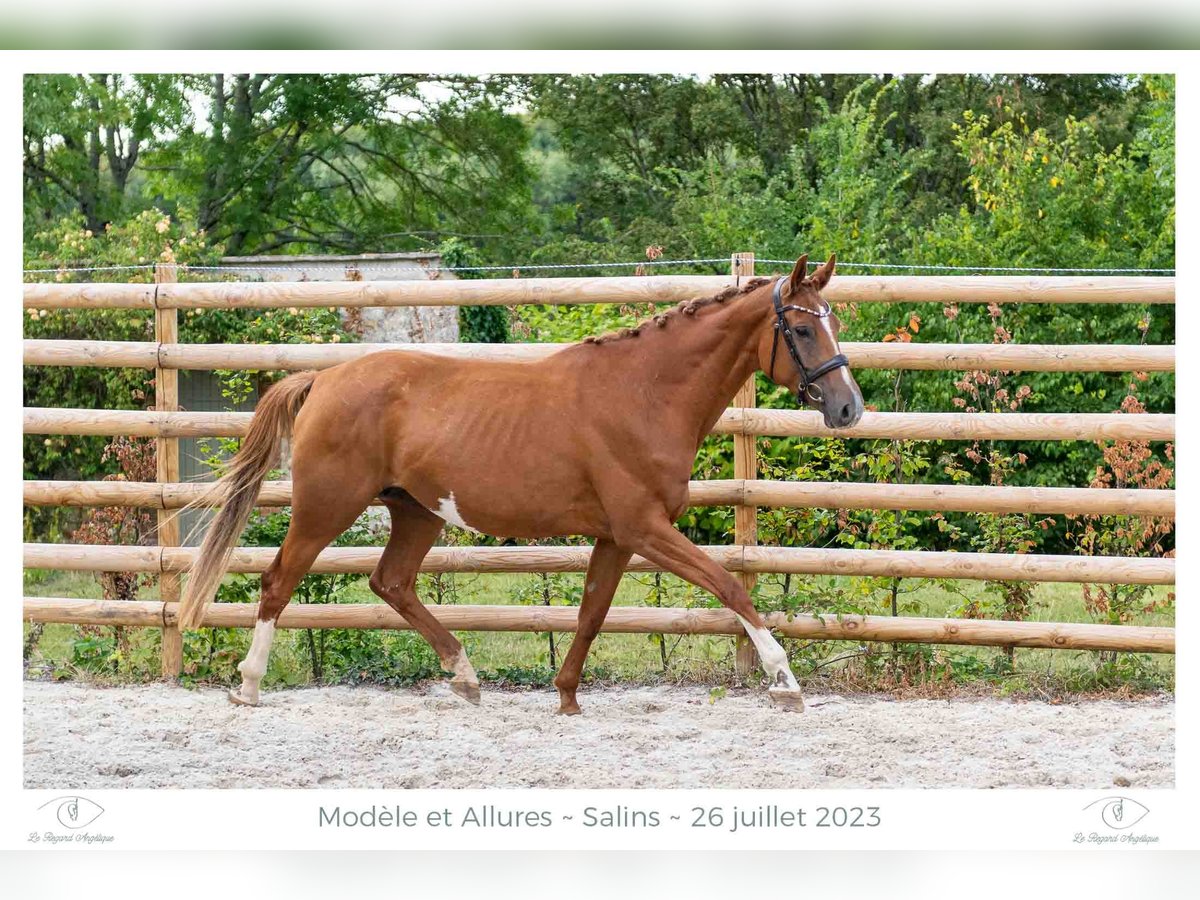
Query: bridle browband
point(807, 376)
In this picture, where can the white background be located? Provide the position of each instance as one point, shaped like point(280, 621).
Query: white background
point(913, 820)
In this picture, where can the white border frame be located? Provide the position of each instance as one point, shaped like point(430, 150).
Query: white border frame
point(913, 819)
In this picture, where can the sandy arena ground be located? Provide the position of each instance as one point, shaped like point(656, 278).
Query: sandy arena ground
point(81, 736)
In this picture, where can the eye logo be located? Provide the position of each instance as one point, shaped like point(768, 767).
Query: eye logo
point(1119, 812)
point(74, 812)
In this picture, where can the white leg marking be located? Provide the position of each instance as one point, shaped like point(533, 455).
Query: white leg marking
point(448, 510)
point(774, 659)
point(254, 666)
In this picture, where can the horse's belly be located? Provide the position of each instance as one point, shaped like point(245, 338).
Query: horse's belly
point(523, 511)
point(484, 469)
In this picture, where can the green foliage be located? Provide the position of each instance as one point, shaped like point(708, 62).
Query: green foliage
point(107, 651)
point(212, 654)
point(347, 163)
point(857, 193)
point(93, 652)
point(1117, 671)
point(519, 676)
point(378, 657)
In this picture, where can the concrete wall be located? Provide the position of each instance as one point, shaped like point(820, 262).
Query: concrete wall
point(403, 325)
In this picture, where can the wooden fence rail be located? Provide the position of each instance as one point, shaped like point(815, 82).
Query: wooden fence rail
point(954, 426)
point(862, 355)
point(714, 492)
point(734, 558)
point(627, 620)
point(773, 422)
point(576, 291)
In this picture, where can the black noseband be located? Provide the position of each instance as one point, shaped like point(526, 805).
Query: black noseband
point(807, 376)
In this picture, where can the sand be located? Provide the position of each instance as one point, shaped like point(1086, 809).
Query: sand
point(149, 736)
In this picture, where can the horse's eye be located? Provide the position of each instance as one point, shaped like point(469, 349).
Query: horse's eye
point(802, 331)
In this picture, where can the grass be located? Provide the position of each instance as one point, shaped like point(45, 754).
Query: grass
point(524, 658)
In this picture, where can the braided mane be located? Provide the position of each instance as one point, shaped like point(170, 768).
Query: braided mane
point(684, 308)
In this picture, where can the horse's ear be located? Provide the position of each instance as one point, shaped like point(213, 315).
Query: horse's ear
point(821, 277)
point(799, 273)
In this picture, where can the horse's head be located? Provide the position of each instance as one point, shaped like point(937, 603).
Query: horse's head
point(799, 348)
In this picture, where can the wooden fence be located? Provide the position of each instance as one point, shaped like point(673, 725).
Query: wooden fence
point(712, 492)
point(582, 291)
point(294, 357)
point(627, 620)
point(774, 422)
point(166, 356)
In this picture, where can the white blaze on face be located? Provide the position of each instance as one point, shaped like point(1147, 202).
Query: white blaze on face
point(842, 373)
point(774, 659)
point(448, 510)
point(827, 324)
point(254, 666)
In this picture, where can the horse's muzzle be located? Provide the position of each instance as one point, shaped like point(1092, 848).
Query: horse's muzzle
point(845, 414)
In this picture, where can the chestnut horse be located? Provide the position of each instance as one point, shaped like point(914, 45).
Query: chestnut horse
point(597, 439)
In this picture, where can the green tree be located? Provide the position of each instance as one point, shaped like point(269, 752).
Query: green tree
point(84, 136)
point(348, 163)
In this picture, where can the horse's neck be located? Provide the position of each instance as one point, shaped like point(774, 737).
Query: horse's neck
point(697, 363)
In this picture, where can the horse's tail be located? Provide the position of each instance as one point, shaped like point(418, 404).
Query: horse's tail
point(238, 488)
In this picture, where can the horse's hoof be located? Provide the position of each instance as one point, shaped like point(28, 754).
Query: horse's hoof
point(468, 690)
point(572, 710)
point(786, 699)
point(235, 697)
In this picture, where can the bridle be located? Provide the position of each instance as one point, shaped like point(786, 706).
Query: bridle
point(807, 390)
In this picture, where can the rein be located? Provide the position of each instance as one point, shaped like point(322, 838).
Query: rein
point(807, 390)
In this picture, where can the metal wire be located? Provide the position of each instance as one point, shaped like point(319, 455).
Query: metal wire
point(532, 267)
point(539, 267)
point(913, 266)
point(52, 269)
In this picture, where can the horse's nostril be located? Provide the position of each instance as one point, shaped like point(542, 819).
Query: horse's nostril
point(847, 413)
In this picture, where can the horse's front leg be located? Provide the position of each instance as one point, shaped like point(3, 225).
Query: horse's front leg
point(659, 542)
point(603, 575)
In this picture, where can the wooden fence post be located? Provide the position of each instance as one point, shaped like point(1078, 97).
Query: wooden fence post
point(166, 399)
point(745, 466)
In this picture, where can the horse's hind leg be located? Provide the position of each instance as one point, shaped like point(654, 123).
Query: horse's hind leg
point(318, 517)
point(414, 529)
point(604, 574)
